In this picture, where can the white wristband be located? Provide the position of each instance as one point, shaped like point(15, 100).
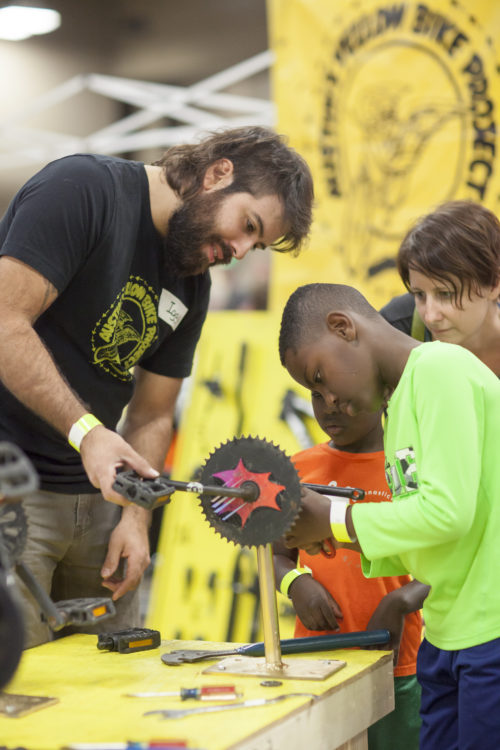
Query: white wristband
point(338, 510)
point(80, 429)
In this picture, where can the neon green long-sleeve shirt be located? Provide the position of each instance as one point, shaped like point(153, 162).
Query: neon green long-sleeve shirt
point(442, 448)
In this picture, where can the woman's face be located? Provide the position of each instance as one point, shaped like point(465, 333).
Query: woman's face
point(435, 302)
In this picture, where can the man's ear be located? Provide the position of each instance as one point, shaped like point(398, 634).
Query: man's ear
point(341, 325)
point(218, 175)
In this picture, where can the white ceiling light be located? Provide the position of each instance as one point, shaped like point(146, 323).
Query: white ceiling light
point(19, 22)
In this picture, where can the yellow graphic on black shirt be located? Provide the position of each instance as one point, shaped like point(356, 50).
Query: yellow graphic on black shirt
point(127, 329)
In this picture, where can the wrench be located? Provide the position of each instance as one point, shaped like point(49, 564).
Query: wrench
point(361, 638)
point(179, 713)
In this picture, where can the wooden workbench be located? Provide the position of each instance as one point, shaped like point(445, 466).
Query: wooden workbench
point(90, 685)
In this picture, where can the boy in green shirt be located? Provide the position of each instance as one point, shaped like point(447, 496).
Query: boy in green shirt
point(441, 443)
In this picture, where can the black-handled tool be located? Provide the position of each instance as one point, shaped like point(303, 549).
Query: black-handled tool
point(360, 638)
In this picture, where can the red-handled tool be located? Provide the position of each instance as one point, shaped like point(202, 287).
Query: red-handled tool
point(206, 693)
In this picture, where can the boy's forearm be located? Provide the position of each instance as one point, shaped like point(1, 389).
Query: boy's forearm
point(284, 560)
point(282, 566)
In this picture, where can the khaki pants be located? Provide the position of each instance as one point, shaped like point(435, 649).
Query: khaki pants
point(66, 547)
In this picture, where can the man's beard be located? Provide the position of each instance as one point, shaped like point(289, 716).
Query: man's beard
point(191, 227)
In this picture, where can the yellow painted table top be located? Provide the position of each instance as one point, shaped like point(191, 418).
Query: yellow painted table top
point(90, 685)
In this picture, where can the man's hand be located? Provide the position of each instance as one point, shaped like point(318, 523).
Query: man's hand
point(103, 452)
point(314, 605)
point(313, 523)
point(129, 542)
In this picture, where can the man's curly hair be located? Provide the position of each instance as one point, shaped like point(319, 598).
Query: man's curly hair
point(263, 165)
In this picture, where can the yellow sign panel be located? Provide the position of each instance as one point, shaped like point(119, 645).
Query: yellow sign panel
point(395, 108)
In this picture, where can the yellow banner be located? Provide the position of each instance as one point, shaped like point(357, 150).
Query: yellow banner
point(395, 108)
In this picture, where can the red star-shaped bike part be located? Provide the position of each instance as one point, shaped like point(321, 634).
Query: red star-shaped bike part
point(268, 490)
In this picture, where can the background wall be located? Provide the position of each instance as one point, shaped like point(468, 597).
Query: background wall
point(153, 40)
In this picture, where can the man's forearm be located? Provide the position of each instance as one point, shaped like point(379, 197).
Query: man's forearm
point(148, 423)
point(28, 371)
point(151, 439)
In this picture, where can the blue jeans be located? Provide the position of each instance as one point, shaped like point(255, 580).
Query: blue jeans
point(460, 706)
point(67, 543)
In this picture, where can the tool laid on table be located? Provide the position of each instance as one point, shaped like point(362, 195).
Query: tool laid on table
point(206, 693)
point(311, 644)
point(14, 705)
point(129, 640)
point(180, 713)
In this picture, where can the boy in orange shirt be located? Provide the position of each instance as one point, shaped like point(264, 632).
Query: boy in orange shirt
point(335, 595)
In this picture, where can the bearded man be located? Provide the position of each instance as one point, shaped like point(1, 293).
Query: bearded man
point(104, 288)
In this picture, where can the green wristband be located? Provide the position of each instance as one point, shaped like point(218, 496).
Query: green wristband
point(290, 577)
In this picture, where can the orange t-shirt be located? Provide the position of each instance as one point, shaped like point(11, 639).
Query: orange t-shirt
point(356, 595)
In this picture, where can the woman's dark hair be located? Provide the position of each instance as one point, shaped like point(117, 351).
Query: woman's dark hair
point(460, 240)
point(263, 165)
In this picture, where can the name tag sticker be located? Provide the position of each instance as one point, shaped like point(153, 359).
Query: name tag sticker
point(171, 310)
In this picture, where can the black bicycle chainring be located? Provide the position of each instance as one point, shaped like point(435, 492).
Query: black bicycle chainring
point(250, 461)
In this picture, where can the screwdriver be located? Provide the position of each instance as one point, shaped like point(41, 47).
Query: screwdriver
point(207, 693)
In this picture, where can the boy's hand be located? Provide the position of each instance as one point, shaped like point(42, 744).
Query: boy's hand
point(392, 609)
point(314, 605)
point(328, 547)
point(389, 614)
point(313, 523)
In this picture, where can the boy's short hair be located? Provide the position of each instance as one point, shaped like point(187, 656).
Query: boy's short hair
point(305, 312)
point(459, 240)
point(263, 165)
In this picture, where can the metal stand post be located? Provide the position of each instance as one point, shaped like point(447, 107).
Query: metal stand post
point(271, 664)
point(269, 607)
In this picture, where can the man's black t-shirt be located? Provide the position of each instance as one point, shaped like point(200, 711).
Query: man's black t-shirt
point(84, 222)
